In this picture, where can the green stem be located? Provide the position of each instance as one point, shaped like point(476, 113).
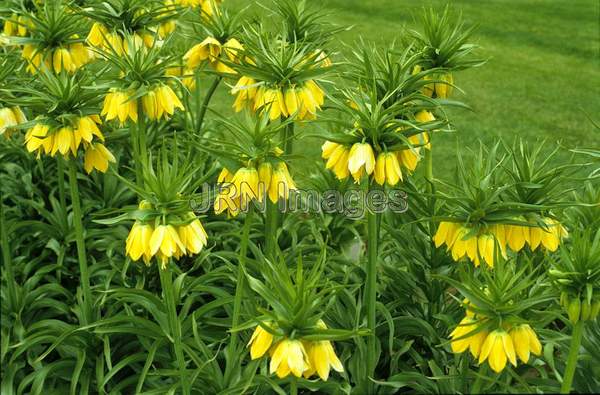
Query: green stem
point(271, 224)
point(135, 152)
point(80, 241)
point(166, 281)
point(572, 359)
point(204, 107)
point(7, 273)
point(239, 288)
point(143, 148)
point(60, 169)
point(371, 289)
point(478, 380)
point(294, 386)
point(289, 139)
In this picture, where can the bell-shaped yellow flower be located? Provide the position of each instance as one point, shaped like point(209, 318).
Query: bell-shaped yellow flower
point(260, 342)
point(525, 341)
point(97, 156)
point(387, 169)
point(497, 348)
point(9, 118)
point(165, 240)
point(121, 105)
point(289, 356)
point(209, 49)
point(322, 358)
point(138, 242)
point(466, 335)
point(193, 236)
point(361, 158)
point(281, 183)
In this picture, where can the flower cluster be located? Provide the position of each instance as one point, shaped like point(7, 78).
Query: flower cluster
point(156, 237)
point(158, 102)
point(238, 189)
point(16, 25)
point(208, 7)
point(9, 118)
point(112, 41)
point(497, 346)
point(68, 57)
point(359, 159)
point(298, 100)
point(296, 356)
point(65, 139)
point(462, 240)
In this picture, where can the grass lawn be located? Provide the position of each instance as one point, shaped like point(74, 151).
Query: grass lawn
point(542, 74)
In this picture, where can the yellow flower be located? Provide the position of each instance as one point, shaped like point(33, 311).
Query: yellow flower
point(80, 54)
point(209, 49)
point(289, 356)
point(166, 101)
point(138, 242)
point(387, 169)
point(553, 234)
point(466, 326)
point(226, 199)
point(193, 236)
point(525, 342)
point(497, 348)
point(166, 28)
point(97, 157)
point(516, 236)
point(361, 158)
point(321, 358)
point(246, 90)
point(165, 240)
point(187, 75)
point(97, 34)
point(260, 342)
point(208, 7)
point(9, 118)
point(281, 183)
point(245, 184)
point(120, 104)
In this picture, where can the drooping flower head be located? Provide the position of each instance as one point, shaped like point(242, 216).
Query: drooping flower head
point(54, 40)
point(142, 85)
point(443, 47)
point(164, 226)
point(219, 45)
point(297, 341)
point(65, 119)
point(281, 78)
point(496, 326)
point(119, 23)
point(254, 167)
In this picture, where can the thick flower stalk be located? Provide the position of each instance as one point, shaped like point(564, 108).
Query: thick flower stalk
point(9, 118)
point(51, 138)
point(295, 356)
point(165, 239)
point(249, 183)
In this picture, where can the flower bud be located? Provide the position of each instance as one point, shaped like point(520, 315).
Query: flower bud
point(574, 310)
